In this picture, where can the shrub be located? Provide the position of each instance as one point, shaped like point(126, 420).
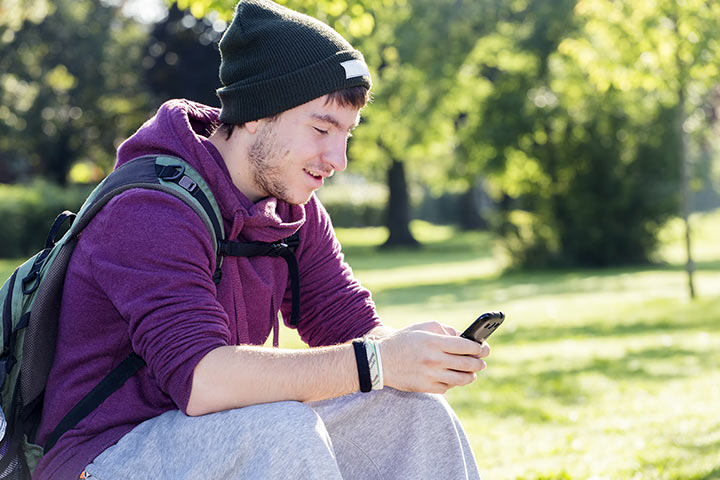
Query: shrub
point(355, 205)
point(27, 212)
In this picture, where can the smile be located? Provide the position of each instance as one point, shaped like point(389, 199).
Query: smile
point(313, 174)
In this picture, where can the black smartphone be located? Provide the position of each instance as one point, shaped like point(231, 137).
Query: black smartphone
point(483, 326)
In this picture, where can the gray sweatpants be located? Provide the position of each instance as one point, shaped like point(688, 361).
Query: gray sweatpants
point(385, 434)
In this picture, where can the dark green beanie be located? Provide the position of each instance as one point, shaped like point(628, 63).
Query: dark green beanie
point(274, 59)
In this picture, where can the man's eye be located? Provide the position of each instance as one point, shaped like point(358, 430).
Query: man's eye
point(320, 131)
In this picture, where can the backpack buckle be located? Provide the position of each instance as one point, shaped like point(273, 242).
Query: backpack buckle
point(170, 173)
point(187, 183)
point(278, 249)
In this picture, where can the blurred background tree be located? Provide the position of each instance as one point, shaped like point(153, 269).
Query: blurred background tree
point(582, 173)
point(552, 104)
point(70, 89)
point(182, 59)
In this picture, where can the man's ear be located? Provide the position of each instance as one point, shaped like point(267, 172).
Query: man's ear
point(252, 126)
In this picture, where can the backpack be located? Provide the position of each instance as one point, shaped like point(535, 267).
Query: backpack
point(30, 302)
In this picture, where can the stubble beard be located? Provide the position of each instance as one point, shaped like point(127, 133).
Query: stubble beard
point(266, 159)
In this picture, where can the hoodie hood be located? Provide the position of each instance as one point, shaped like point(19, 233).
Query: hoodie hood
point(181, 128)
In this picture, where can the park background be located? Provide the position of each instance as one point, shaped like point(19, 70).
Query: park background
point(554, 159)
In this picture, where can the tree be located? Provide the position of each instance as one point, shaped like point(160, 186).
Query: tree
point(415, 51)
point(670, 54)
point(575, 134)
point(70, 89)
point(182, 58)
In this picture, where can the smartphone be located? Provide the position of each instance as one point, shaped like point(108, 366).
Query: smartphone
point(483, 326)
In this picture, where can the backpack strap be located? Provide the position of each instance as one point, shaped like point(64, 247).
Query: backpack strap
point(107, 386)
point(176, 174)
point(31, 281)
point(285, 249)
point(165, 173)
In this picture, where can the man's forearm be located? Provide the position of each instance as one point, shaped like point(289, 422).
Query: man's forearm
point(427, 357)
point(237, 376)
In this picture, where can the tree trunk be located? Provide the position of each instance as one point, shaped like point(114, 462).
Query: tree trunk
point(59, 157)
point(684, 157)
point(398, 209)
point(686, 204)
point(471, 217)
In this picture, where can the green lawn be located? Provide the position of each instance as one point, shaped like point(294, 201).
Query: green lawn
point(603, 374)
point(596, 374)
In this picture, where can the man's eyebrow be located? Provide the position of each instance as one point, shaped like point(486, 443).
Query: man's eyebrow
point(326, 117)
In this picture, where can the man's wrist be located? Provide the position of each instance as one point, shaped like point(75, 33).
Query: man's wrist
point(381, 331)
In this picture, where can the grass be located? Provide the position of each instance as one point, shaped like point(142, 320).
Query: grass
point(596, 374)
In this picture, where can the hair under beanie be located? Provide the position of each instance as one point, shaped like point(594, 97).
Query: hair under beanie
point(274, 59)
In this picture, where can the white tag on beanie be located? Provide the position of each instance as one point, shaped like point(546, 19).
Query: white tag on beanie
point(355, 68)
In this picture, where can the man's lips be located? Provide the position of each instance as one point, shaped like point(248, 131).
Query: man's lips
point(317, 175)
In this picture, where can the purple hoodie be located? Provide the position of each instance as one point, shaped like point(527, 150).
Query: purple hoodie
point(141, 279)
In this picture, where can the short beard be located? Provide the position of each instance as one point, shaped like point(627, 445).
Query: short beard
point(265, 155)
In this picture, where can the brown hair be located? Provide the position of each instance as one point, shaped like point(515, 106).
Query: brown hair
point(357, 96)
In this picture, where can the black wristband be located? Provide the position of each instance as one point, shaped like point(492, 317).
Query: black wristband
point(362, 366)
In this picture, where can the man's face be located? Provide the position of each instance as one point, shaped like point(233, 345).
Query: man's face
point(293, 153)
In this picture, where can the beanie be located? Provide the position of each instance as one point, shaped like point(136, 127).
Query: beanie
point(274, 59)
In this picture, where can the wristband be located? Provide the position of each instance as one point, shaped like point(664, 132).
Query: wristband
point(372, 348)
point(362, 366)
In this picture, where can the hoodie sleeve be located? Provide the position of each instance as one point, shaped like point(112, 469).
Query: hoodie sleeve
point(156, 267)
point(334, 307)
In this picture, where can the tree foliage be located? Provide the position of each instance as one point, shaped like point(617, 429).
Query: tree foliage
point(574, 119)
point(182, 59)
point(69, 87)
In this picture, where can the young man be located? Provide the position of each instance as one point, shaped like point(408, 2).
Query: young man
point(212, 402)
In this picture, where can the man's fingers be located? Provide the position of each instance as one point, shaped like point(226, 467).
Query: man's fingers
point(448, 330)
point(435, 327)
point(464, 363)
point(463, 346)
point(454, 378)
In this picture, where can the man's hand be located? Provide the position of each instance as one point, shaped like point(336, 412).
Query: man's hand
point(430, 357)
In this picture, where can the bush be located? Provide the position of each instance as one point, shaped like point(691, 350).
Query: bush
point(351, 205)
point(27, 212)
point(592, 197)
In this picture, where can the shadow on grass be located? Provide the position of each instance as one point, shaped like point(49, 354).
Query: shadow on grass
point(471, 289)
point(516, 285)
point(470, 246)
point(713, 475)
point(537, 397)
point(706, 448)
point(450, 251)
point(680, 323)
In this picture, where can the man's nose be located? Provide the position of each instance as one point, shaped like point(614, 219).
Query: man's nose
point(336, 155)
